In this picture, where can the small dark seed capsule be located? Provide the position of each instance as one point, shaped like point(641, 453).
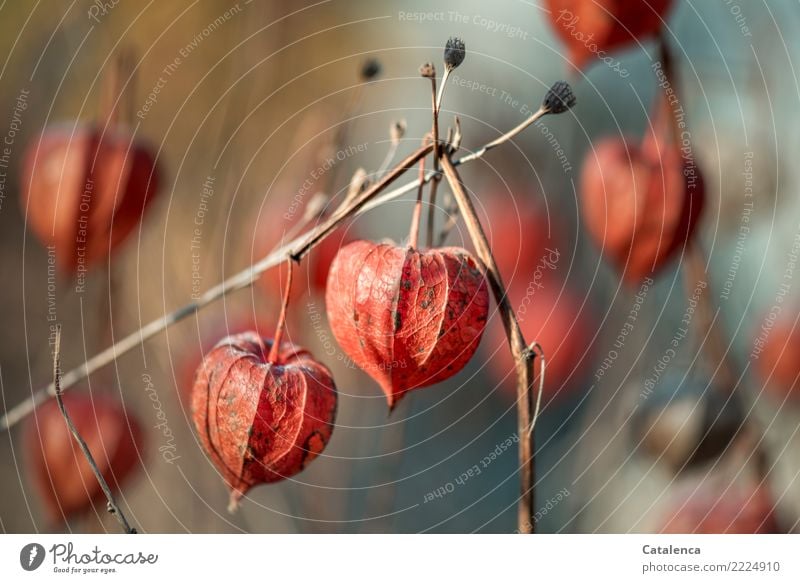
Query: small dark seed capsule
point(370, 69)
point(427, 70)
point(454, 52)
point(559, 98)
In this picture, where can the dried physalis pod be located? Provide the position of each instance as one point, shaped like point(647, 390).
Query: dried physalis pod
point(262, 414)
point(205, 336)
point(397, 131)
point(685, 421)
point(409, 318)
point(58, 469)
point(84, 189)
point(591, 28)
point(641, 203)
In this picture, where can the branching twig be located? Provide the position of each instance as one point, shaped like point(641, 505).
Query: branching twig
point(295, 249)
point(371, 198)
point(536, 350)
point(112, 505)
point(541, 112)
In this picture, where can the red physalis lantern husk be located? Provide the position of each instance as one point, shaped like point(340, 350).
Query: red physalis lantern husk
point(84, 189)
point(262, 415)
point(641, 203)
point(717, 507)
point(409, 318)
point(208, 334)
point(591, 28)
point(59, 471)
point(777, 365)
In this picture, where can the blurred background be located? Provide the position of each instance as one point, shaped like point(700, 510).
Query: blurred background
point(671, 402)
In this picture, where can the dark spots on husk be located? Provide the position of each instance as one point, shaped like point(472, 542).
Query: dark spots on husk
point(398, 320)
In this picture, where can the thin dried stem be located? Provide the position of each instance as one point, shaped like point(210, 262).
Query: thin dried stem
point(523, 356)
point(413, 234)
point(536, 348)
point(315, 209)
point(390, 154)
point(435, 102)
point(539, 113)
point(295, 249)
point(450, 223)
point(440, 96)
point(117, 107)
point(276, 342)
point(437, 178)
point(112, 504)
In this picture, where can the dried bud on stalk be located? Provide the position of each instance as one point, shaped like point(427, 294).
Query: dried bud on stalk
point(316, 206)
point(261, 421)
point(358, 184)
point(408, 318)
point(397, 131)
point(370, 69)
point(428, 71)
point(454, 52)
point(59, 470)
point(559, 98)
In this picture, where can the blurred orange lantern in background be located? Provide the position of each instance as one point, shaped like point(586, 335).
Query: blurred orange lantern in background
point(641, 203)
point(553, 318)
point(60, 472)
point(777, 364)
point(591, 28)
point(84, 189)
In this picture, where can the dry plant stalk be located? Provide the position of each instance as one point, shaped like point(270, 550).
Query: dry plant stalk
point(523, 355)
point(112, 506)
point(557, 100)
